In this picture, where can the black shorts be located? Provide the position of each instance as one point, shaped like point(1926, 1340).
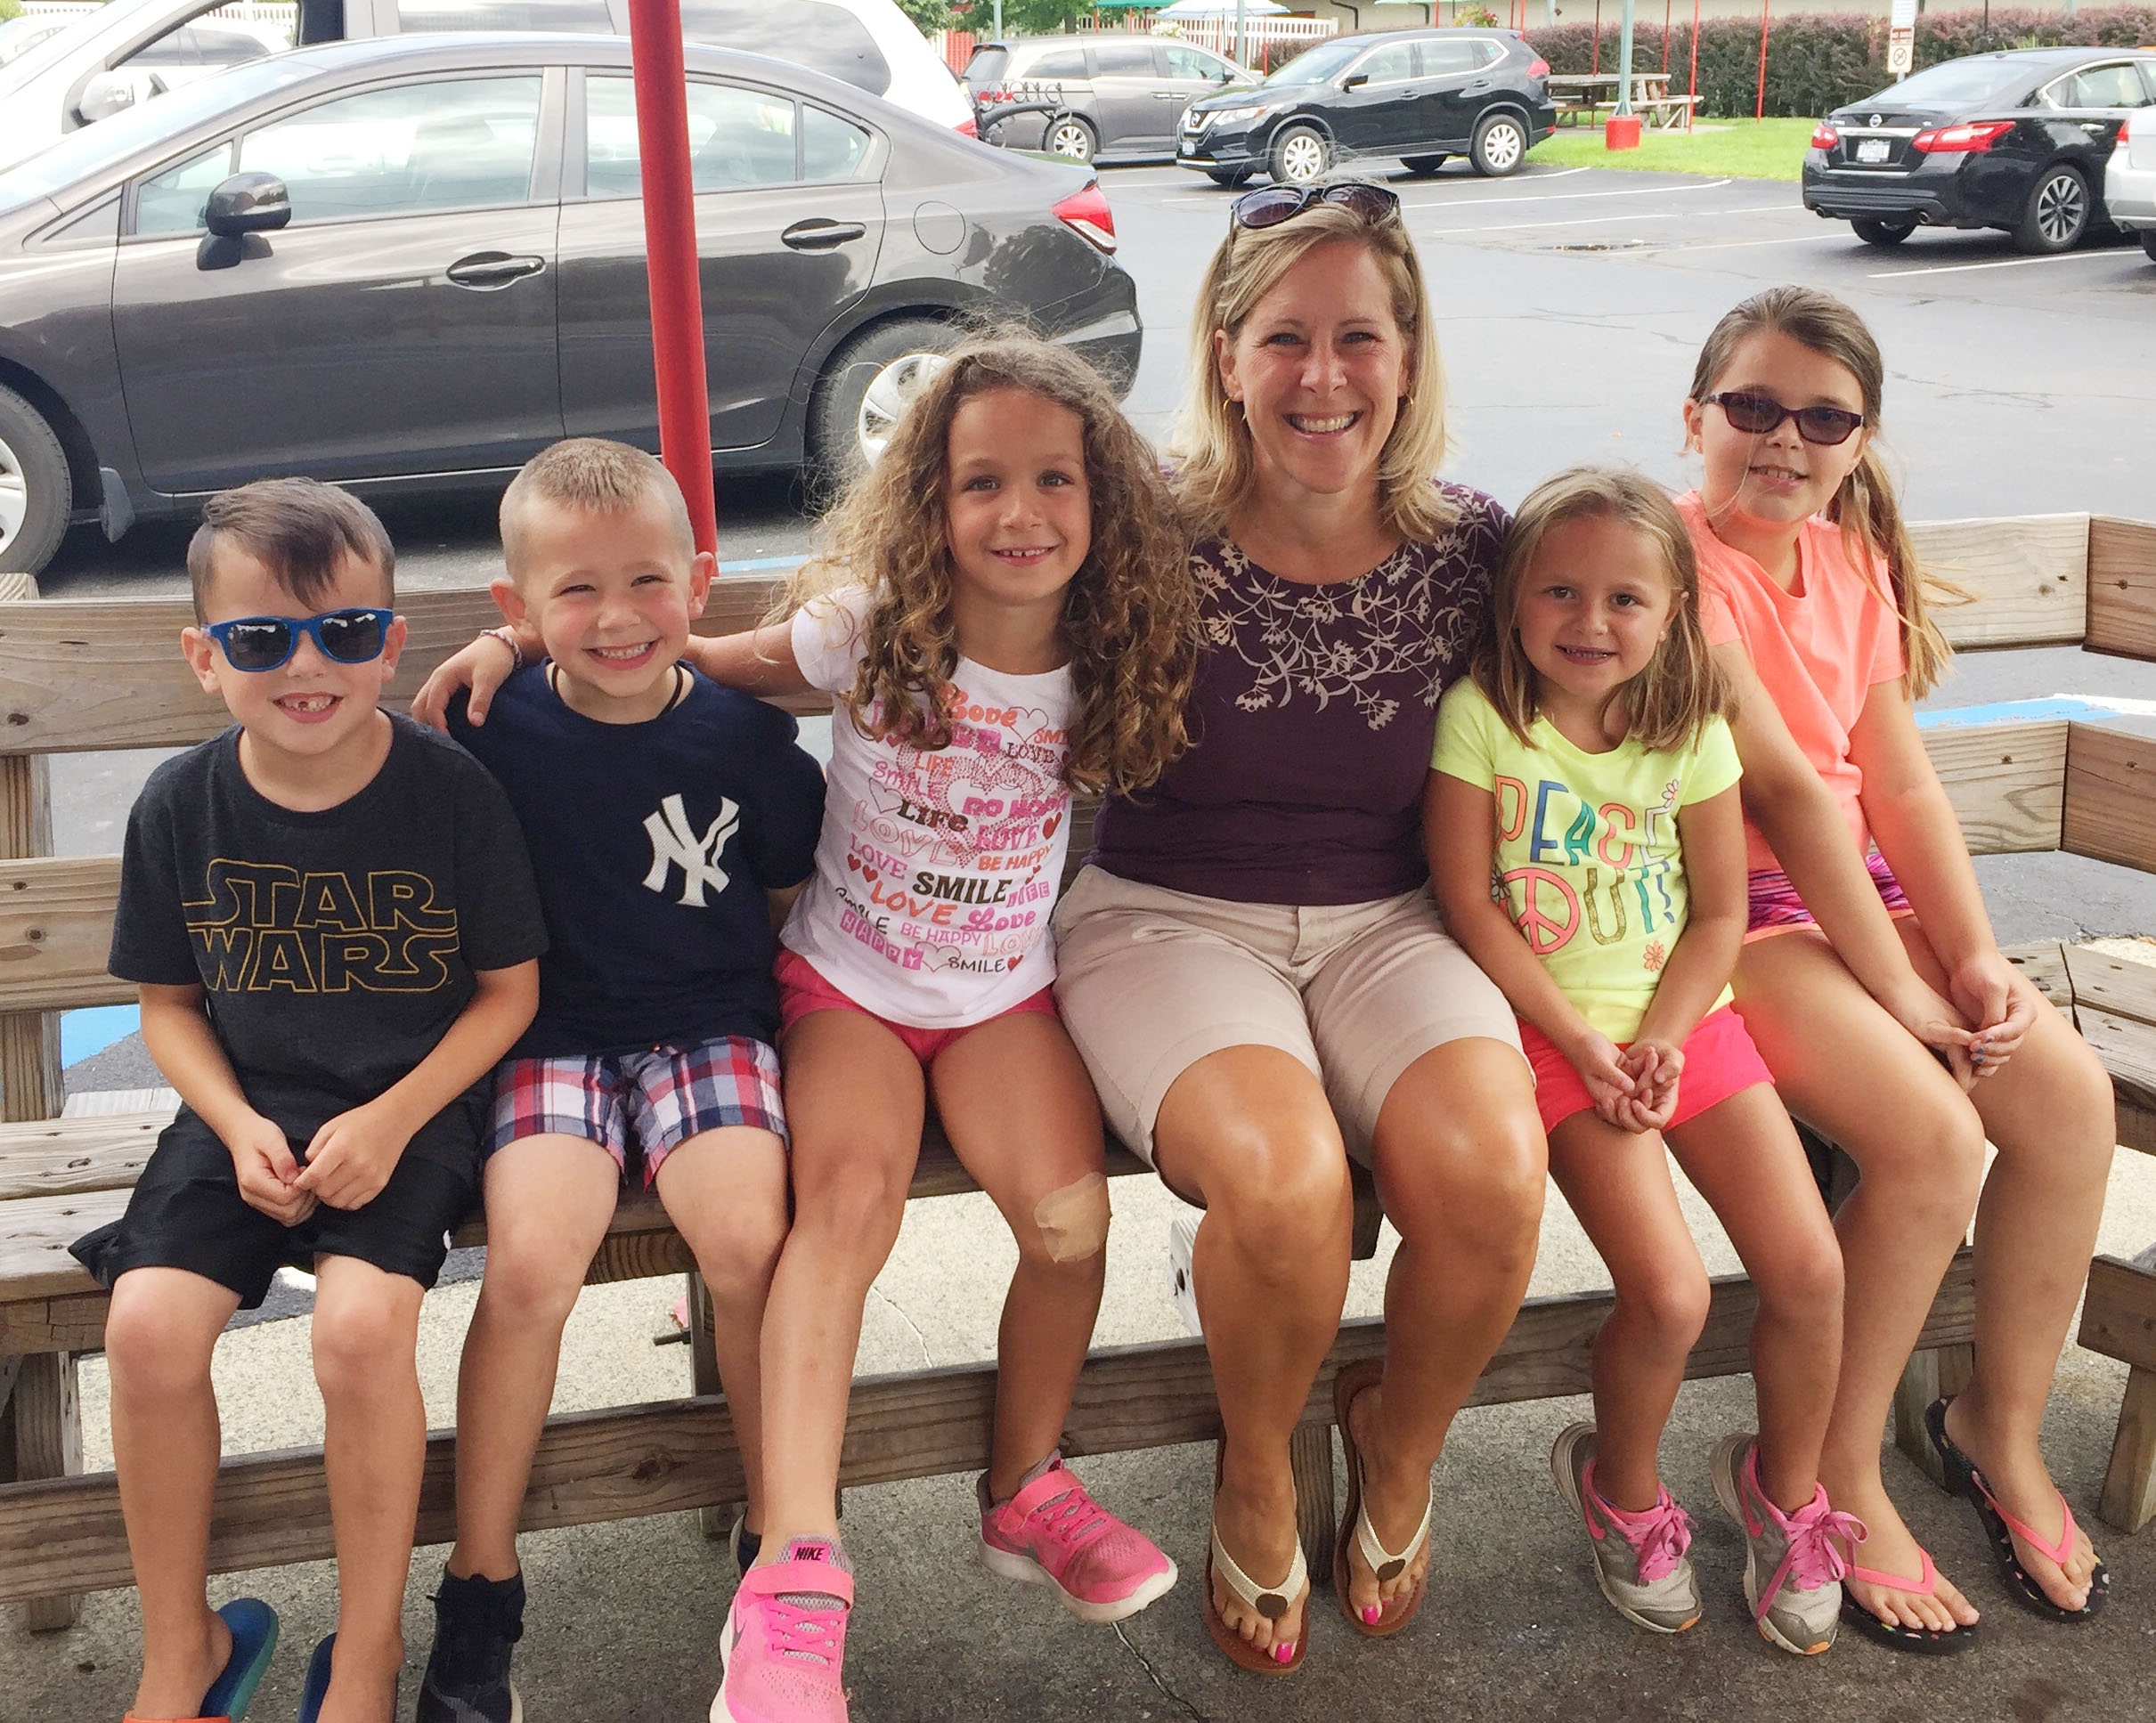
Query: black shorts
point(187, 1213)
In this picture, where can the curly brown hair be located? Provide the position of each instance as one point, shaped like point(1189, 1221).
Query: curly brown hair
point(1130, 615)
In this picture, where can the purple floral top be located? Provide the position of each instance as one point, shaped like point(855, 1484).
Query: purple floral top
point(1313, 716)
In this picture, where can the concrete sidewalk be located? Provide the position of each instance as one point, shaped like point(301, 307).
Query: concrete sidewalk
point(624, 1618)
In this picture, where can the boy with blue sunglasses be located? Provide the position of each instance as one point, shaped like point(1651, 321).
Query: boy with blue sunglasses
point(332, 919)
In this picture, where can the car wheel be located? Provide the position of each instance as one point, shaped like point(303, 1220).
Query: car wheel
point(1422, 166)
point(2148, 242)
point(2056, 215)
point(1300, 154)
point(37, 494)
point(1230, 177)
point(1874, 232)
point(1071, 138)
point(1499, 146)
point(870, 382)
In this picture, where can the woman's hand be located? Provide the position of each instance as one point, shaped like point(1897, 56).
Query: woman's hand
point(483, 667)
point(1998, 998)
point(1937, 1025)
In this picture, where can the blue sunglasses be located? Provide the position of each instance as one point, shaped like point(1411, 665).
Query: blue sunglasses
point(267, 643)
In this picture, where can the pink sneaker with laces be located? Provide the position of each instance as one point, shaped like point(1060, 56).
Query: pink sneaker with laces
point(1053, 1533)
point(784, 1644)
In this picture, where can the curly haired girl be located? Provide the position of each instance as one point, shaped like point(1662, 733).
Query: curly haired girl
point(1003, 606)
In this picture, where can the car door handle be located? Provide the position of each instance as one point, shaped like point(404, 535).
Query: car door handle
point(485, 270)
point(1169, 95)
point(1475, 88)
point(817, 234)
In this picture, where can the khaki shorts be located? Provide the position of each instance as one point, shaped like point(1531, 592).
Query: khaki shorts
point(1152, 980)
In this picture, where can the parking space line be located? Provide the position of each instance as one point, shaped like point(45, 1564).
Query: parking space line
point(1740, 245)
point(2000, 262)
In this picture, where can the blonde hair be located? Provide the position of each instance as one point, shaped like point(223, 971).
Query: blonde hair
point(1130, 615)
point(592, 475)
point(1865, 507)
point(1212, 440)
point(1669, 702)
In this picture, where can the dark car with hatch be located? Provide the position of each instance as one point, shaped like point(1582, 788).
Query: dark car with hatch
point(412, 261)
point(2016, 140)
point(1420, 96)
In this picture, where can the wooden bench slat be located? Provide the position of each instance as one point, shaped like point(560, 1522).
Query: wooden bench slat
point(2044, 964)
point(2111, 796)
point(2005, 780)
point(66, 1156)
point(2117, 985)
point(2118, 1313)
point(675, 1455)
point(2122, 587)
point(2028, 576)
point(2129, 1051)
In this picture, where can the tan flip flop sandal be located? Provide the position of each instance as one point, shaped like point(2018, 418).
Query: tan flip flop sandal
point(1351, 1382)
point(1271, 1602)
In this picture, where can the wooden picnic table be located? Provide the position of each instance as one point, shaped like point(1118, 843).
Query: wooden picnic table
point(1578, 94)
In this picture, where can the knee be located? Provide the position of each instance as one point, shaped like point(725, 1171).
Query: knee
point(1290, 1202)
point(1479, 1198)
point(1804, 1285)
point(736, 1250)
point(1932, 1174)
point(359, 1347)
point(1069, 1227)
point(1668, 1311)
point(530, 1289)
point(855, 1215)
point(149, 1353)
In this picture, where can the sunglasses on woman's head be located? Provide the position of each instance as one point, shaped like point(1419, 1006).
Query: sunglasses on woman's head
point(267, 643)
point(1272, 205)
point(1755, 415)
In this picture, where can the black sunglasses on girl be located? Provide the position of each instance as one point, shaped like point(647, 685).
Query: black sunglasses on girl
point(267, 643)
point(1755, 415)
point(1272, 205)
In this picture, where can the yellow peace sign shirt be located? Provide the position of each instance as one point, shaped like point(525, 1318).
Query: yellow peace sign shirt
point(1588, 862)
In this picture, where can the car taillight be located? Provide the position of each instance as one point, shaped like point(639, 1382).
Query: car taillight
point(1541, 69)
point(1972, 136)
point(966, 128)
point(1087, 214)
point(1824, 136)
point(2126, 130)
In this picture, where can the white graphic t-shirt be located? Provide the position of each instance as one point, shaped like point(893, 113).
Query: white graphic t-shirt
point(936, 867)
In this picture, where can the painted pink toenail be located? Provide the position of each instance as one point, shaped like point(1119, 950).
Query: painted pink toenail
point(1282, 1653)
point(1372, 1615)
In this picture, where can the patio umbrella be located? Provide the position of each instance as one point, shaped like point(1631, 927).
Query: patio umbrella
point(1223, 9)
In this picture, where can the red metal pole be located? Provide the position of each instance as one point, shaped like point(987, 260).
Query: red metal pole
point(669, 247)
point(1594, 64)
point(1666, 5)
point(1761, 113)
point(1692, 108)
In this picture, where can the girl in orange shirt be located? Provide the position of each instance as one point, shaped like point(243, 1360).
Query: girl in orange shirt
point(1872, 984)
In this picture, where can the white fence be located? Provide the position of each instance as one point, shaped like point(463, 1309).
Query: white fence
point(1272, 41)
point(237, 11)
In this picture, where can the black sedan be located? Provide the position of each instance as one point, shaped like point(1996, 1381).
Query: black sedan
point(2015, 141)
point(1418, 95)
point(413, 261)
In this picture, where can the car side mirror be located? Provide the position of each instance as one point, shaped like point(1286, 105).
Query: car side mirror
point(109, 92)
point(1355, 81)
point(247, 203)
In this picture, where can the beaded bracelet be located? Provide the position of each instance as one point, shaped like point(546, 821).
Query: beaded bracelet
point(508, 636)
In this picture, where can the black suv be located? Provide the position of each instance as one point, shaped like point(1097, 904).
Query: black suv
point(1420, 96)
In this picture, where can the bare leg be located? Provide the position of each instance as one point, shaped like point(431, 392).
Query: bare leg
point(549, 1200)
point(366, 1336)
point(163, 1325)
point(1022, 1113)
point(1459, 1160)
point(1743, 1156)
point(726, 1193)
point(855, 1099)
point(1247, 1132)
point(1617, 1184)
point(1843, 1064)
point(2050, 1112)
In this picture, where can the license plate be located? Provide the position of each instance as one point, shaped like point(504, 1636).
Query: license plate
point(1873, 149)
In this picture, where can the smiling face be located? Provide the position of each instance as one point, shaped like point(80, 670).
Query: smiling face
point(1595, 606)
point(1762, 488)
point(312, 712)
point(612, 594)
point(1320, 366)
point(1018, 510)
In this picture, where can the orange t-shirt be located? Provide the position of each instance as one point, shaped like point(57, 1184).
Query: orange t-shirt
point(1818, 650)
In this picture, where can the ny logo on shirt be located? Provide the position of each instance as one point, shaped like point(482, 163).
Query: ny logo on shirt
point(674, 843)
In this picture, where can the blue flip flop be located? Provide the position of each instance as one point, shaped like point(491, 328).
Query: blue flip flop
point(254, 1625)
point(317, 1688)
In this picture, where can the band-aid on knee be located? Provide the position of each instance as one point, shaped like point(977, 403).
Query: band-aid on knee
point(1073, 1222)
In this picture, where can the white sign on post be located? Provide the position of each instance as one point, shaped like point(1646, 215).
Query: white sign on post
point(1901, 37)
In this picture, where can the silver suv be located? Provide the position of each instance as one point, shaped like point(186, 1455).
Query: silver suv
point(1124, 93)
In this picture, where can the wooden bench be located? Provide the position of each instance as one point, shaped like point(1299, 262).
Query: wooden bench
point(78, 676)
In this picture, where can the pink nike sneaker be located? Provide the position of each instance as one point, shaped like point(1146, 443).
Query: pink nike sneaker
point(1053, 1533)
point(784, 1644)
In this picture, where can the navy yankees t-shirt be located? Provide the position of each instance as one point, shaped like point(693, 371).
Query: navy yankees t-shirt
point(654, 844)
point(334, 949)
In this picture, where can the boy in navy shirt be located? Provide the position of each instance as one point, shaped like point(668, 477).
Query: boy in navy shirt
point(333, 925)
point(671, 821)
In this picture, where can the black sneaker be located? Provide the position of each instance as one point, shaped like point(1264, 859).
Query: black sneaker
point(477, 1624)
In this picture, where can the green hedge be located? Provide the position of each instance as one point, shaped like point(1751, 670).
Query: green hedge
point(1820, 63)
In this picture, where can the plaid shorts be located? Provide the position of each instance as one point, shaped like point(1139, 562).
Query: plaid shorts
point(656, 1100)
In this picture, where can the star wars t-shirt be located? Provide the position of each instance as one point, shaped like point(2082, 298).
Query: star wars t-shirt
point(334, 948)
point(654, 844)
point(937, 867)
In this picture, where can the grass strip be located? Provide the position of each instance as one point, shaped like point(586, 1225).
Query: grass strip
point(1738, 148)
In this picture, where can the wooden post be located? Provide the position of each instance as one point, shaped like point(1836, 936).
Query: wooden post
point(1939, 1374)
point(1310, 1463)
point(40, 1438)
point(717, 1521)
point(2129, 1486)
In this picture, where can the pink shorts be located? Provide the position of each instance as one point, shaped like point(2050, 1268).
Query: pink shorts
point(802, 989)
point(1719, 1061)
